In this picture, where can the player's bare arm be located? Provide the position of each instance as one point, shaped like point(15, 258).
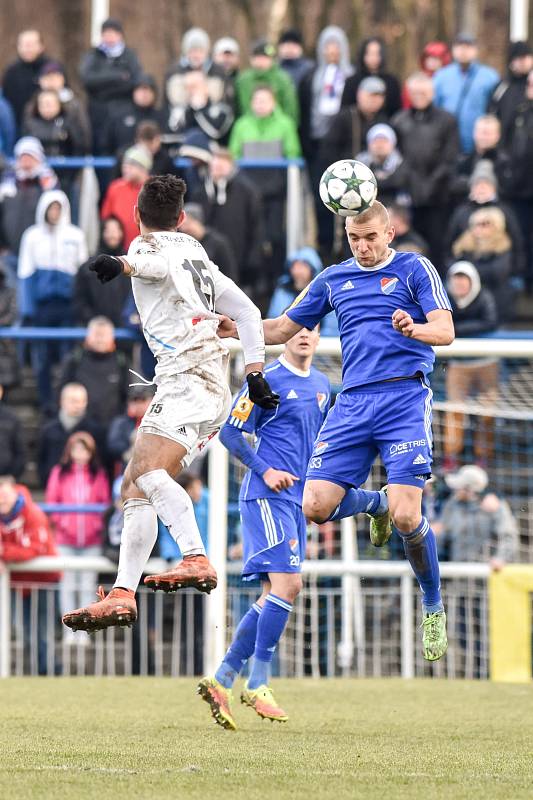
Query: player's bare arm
point(280, 329)
point(438, 330)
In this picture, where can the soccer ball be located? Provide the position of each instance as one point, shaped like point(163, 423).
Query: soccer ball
point(348, 187)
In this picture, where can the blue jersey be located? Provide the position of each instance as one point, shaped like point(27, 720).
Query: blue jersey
point(364, 300)
point(285, 435)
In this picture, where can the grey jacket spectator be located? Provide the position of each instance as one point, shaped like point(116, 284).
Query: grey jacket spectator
point(372, 61)
point(108, 73)
point(20, 78)
point(89, 300)
point(9, 363)
point(348, 130)
point(71, 418)
point(21, 189)
point(474, 308)
point(12, 448)
point(102, 369)
point(232, 205)
point(509, 93)
point(474, 525)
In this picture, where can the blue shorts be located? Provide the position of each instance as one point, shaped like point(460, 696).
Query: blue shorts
point(391, 419)
point(273, 537)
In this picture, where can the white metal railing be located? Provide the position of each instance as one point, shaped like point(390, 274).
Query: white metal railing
point(350, 572)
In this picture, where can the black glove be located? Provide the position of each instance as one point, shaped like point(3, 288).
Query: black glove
point(106, 267)
point(260, 392)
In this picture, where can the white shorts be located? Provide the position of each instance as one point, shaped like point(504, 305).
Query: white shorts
point(188, 409)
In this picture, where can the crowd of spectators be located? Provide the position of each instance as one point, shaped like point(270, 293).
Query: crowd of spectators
point(451, 146)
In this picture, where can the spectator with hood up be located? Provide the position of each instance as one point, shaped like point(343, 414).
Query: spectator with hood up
point(109, 73)
point(371, 61)
point(51, 252)
point(301, 267)
point(435, 55)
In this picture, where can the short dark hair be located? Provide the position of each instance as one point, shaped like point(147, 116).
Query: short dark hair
point(160, 202)
point(147, 131)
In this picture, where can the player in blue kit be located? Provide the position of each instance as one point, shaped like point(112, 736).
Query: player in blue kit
point(273, 525)
point(391, 307)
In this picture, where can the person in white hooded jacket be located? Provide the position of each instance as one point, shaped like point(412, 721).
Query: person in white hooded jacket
point(51, 252)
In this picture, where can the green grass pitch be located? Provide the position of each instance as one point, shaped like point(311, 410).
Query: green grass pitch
point(115, 738)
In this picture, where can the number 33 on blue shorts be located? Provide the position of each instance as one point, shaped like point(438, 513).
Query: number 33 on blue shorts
point(390, 419)
point(273, 537)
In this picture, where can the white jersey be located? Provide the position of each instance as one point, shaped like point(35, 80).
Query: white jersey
point(177, 290)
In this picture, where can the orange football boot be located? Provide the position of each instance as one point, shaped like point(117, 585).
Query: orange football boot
point(117, 608)
point(195, 571)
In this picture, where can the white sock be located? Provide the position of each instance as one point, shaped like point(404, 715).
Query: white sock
point(139, 536)
point(174, 508)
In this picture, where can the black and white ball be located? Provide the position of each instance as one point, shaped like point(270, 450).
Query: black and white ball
point(348, 187)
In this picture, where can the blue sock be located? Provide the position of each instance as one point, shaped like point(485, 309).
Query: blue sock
point(357, 500)
point(420, 547)
point(240, 649)
point(270, 626)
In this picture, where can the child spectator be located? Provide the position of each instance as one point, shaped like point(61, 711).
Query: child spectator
point(78, 479)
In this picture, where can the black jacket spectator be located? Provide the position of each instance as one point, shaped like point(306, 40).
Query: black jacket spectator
point(509, 94)
point(232, 206)
point(371, 61)
point(475, 313)
point(12, 449)
point(519, 184)
point(20, 78)
point(429, 142)
point(104, 375)
point(89, 300)
point(291, 56)
point(406, 240)
point(58, 132)
point(123, 125)
point(108, 73)
point(52, 77)
point(9, 363)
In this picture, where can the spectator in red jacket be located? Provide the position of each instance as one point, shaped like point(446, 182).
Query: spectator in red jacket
point(25, 534)
point(78, 479)
point(122, 193)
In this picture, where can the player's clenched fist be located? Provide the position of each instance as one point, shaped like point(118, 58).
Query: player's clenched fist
point(278, 479)
point(260, 392)
point(403, 322)
point(106, 267)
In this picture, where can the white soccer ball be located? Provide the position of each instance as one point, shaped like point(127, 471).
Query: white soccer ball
point(348, 187)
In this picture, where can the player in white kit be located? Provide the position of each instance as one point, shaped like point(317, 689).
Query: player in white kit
point(178, 291)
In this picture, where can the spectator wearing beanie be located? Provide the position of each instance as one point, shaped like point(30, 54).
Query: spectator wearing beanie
point(291, 56)
point(371, 61)
point(263, 71)
point(195, 55)
point(387, 164)
point(108, 73)
point(510, 92)
point(122, 193)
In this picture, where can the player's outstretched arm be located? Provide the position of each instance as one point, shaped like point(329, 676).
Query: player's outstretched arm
point(438, 330)
point(280, 329)
point(146, 264)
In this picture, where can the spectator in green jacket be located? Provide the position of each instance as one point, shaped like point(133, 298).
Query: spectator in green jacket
point(265, 131)
point(264, 71)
